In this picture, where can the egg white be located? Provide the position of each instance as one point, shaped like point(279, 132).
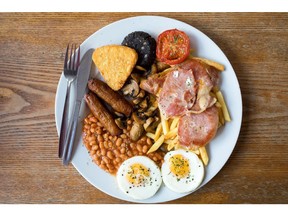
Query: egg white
point(186, 183)
point(149, 184)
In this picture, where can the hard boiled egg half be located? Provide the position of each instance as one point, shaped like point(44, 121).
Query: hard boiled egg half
point(139, 177)
point(182, 171)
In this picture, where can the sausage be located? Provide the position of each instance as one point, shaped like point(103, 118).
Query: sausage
point(113, 98)
point(102, 114)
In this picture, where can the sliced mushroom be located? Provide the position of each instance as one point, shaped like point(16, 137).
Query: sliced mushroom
point(120, 123)
point(141, 94)
point(151, 111)
point(153, 125)
point(153, 69)
point(136, 131)
point(132, 89)
point(144, 103)
point(138, 67)
point(161, 66)
point(121, 115)
point(137, 100)
point(138, 118)
point(136, 77)
point(148, 122)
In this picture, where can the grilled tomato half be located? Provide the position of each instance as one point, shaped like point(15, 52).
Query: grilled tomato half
point(173, 46)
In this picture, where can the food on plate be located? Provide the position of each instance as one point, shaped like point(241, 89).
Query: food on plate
point(182, 171)
point(139, 177)
point(173, 46)
point(224, 108)
point(102, 114)
point(214, 64)
point(110, 151)
point(164, 112)
point(136, 131)
point(186, 88)
point(113, 98)
point(145, 46)
point(178, 93)
point(197, 130)
point(115, 63)
point(154, 83)
point(204, 155)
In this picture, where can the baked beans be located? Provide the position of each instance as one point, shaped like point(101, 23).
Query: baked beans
point(108, 151)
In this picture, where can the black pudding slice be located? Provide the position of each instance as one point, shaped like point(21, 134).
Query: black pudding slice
point(145, 46)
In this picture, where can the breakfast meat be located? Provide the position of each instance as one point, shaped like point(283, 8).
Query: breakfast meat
point(196, 130)
point(187, 89)
point(145, 46)
point(206, 78)
point(204, 74)
point(178, 93)
point(101, 113)
point(113, 98)
point(154, 83)
point(115, 63)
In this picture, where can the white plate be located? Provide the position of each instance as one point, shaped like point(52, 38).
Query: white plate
point(219, 149)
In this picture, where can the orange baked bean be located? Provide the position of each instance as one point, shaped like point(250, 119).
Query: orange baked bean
point(95, 147)
point(145, 149)
point(118, 141)
point(110, 155)
point(139, 147)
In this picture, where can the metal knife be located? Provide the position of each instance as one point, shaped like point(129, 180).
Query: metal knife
point(81, 85)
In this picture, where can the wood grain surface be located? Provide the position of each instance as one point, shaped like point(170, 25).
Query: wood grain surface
point(32, 47)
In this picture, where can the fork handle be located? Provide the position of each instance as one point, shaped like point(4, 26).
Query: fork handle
point(72, 130)
point(63, 131)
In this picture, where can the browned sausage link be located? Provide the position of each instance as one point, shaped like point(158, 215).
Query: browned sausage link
point(113, 98)
point(101, 113)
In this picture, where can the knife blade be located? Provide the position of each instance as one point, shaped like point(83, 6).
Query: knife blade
point(81, 85)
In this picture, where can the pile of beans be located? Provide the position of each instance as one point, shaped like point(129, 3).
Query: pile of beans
point(108, 151)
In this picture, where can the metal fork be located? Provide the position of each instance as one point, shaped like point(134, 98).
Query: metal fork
point(71, 65)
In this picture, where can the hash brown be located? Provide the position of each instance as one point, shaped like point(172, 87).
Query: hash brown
point(115, 63)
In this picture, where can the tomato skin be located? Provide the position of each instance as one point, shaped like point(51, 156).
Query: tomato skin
point(173, 46)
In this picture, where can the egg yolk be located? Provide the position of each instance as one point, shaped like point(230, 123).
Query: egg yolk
point(179, 166)
point(137, 174)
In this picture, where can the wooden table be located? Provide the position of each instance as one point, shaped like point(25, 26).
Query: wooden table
point(32, 49)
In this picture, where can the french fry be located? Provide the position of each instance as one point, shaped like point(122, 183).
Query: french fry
point(158, 132)
point(221, 100)
point(171, 143)
point(174, 123)
point(215, 89)
point(150, 135)
point(221, 116)
point(165, 125)
point(196, 151)
point(204, 155)
point(156, 145)
point(214, 64)
point(171, 133)
point(218, 105)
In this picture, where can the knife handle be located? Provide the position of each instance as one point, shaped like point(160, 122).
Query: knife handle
point(72, 130)
point(63, 130)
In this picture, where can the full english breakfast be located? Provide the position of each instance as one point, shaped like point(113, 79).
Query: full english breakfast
point(155, 113)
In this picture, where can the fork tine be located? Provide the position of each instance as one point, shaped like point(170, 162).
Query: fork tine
point(70, 58)
point(74, 53)
point(78, 59)
point(66, 57)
